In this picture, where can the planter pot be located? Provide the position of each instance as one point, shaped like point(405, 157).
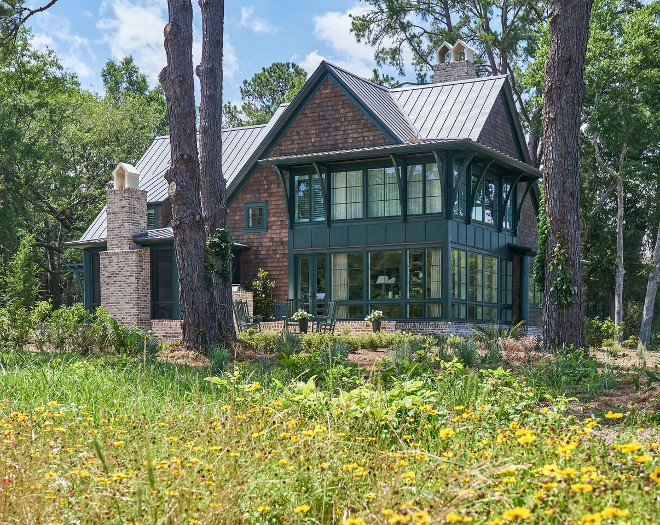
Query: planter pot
point(375, 325)
point(303, 325)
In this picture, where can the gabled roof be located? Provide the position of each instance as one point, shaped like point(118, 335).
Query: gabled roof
point(407, 115)
point(450, 110)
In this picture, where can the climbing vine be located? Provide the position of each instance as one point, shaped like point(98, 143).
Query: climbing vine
point(538, 266)
point(561, 290)
point(218, 255)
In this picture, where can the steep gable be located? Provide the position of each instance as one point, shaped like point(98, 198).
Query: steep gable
point(329, 121)
point(499, 132)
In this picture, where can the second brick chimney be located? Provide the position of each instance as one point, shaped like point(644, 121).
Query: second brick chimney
point(454, 63)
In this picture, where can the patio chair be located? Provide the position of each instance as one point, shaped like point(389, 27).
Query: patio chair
point(244, 320)
point(326, 323)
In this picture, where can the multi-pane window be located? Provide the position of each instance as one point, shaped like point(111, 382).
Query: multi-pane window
point(485, 199)
point(479, 289)
point(385, 275)
point(347, 283)
point(162, 283)
point(459, 183)
point(255, 217)
point(152, 218)
point(424, 189)
point(308, 196)
point(346, 196)
point(507, 219)
point(383, 192)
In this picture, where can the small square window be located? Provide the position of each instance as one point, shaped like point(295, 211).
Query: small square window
point(255, 217)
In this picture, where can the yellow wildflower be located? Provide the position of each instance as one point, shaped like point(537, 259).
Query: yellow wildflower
point(301, 509)
point(455, 518)
point(582, 487)
point(613, 415)
point(613, 512)
point(446, 432)
point(516, 513)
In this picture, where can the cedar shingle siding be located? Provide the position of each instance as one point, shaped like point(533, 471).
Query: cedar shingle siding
point(497, 132)
point(329, 121)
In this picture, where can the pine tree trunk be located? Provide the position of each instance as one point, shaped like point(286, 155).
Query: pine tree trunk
point(183, 176)
point(212, 181)
point(620, 270)
point(563, 95)
point(649, 300)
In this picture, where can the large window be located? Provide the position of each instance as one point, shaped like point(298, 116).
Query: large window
point(479, 288)
point(308, 198)
point(424, 189)
point(347, 284)
point(459, 182)
point(535, 292)
point(385, 275)
point(346, 196)
point(383, 192)
point(507, 219)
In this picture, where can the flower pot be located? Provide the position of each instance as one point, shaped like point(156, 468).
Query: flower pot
point(303, 325)
point(375, 325)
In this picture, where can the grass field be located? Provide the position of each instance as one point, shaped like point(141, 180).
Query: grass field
point(119, 440)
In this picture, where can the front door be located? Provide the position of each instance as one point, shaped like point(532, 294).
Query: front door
point(311, 283)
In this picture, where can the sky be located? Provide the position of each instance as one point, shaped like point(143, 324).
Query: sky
point(87, 33)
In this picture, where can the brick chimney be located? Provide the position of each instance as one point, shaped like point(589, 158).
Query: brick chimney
point(454, 63)
point(125, 268)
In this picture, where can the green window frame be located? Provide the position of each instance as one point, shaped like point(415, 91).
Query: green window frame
point(256, 217)
point(485, 199)
point(164, 283)
point(482, 286)
point(460, 206)
point(152, 218)
point(535, 292)
point(347, 194)
point(309, 203)
point(383, 192)
point(424, 188)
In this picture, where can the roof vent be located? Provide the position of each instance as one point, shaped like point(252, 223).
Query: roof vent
point(454, 63)
point(126, 176)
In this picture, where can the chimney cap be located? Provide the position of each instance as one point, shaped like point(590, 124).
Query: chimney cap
point(454, 52)
point(126, 176)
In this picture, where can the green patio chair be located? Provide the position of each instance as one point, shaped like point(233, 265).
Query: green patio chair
point(326, 323)
point(244, 320)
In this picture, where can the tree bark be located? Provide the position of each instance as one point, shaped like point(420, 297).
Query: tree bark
point(212, 182)
point(183, 176)
point(563, 95)
point(649, 300)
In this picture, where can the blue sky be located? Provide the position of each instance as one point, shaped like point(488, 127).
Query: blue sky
point(86, 33)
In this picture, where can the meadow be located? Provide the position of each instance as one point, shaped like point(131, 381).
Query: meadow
point(307, 437)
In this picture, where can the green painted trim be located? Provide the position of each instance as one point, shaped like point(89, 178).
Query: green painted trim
point(514, 123)
point(246, 210)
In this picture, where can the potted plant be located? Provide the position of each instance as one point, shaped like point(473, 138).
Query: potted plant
point(303, 320)
point(376, 318)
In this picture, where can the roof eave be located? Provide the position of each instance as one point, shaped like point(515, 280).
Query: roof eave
point(81, 245)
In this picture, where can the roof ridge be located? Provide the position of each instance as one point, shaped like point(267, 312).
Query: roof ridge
point(234, 128)
point(335, 66)
point(451, 82)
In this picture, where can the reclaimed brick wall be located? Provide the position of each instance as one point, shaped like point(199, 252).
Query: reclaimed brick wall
point(125, 288)
point(452, 71)
point(127, 216)
point(497, 132)
point(269, 249)
point(329, 121)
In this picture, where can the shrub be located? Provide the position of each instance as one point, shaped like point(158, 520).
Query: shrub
point(20, 280)
point(262, 295)
point(466, 352)
point(219, 357)
point(597, 331)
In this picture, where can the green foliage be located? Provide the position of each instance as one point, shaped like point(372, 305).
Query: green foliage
point(562, 292)
point(219, 357)
point(21, 278)
point(263, 94)
point(263, 290)
point(467, 353)
point(218, 255)
point(58, 146)
point(538, 265)
point(495, 331)
point(596, 331)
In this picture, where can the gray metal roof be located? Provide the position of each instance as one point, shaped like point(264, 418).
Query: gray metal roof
point(379, 102)
point(237, 146)
point(451, 109)
point(151, 236)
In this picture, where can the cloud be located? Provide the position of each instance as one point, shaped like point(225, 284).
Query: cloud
point(135, 28)
point(333, 28)
point(255, 23)
point(74, 52)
